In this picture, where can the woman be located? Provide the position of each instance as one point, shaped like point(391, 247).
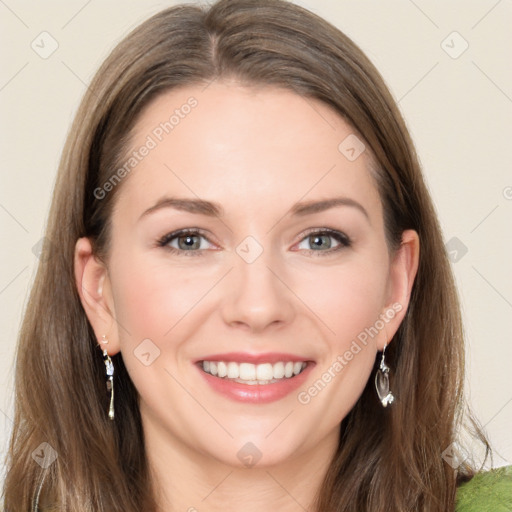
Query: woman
point(189, 344)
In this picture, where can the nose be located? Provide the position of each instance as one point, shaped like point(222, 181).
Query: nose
point(257, 295)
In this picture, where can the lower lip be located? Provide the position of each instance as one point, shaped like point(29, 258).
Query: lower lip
point(257, 393)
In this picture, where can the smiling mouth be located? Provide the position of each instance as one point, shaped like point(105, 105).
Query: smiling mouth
point(252, 374)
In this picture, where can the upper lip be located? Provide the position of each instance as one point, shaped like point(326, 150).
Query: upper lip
point(246, 357)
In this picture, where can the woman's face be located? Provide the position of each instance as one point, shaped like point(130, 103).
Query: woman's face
point(286, 270)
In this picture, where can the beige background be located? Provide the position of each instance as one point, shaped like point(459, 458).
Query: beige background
point(458, 108)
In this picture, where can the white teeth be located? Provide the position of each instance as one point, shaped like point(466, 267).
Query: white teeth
point(253, 382)
point(233, 372)
point(222, 369)
point(278, 370)
point(249, 373)
point(264, 371)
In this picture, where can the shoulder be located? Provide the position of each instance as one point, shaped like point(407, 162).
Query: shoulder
point(488, 491)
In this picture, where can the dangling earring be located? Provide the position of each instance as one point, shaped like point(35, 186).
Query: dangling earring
point(109, 367)
point(382, 383)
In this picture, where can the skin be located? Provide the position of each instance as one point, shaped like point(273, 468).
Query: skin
point(256, 152)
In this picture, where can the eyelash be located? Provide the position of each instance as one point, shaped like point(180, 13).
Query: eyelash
point(163, 242)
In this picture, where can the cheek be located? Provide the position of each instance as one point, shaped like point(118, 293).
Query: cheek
point(346, 299)
point(151, 297)
point(349, 306)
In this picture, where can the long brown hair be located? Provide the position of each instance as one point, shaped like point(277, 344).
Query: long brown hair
point(388, 459)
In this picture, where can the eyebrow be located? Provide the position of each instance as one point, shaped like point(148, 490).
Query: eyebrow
point(310, 207)
point(199, 206)
point(212, 209)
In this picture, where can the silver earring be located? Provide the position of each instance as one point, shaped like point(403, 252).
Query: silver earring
point(109, 367)
point(382, 383)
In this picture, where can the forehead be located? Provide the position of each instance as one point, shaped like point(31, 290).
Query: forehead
point(230, 114)
point(245, 147)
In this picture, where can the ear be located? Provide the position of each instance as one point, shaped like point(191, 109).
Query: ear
point(94, 287)
point(403, 269)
